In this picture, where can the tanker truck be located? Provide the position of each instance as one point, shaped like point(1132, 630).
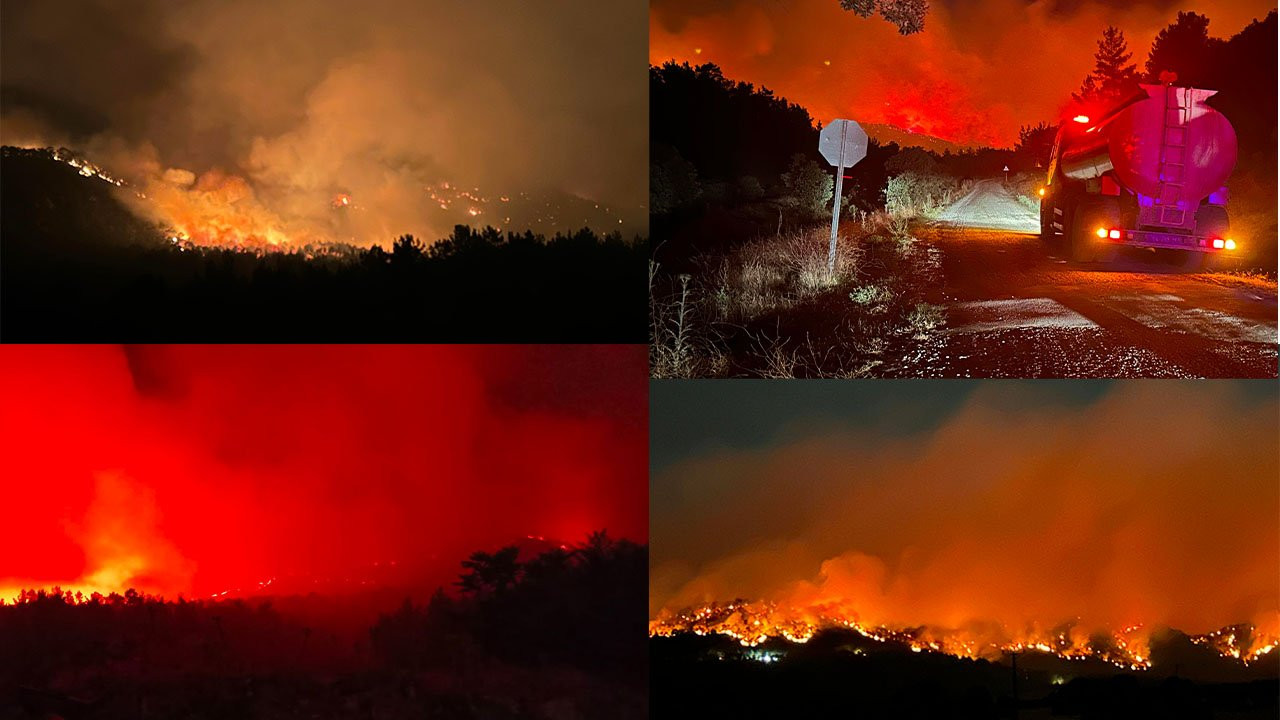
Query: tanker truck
point(1149, 173)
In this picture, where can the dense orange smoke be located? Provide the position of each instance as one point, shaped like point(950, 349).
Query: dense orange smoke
point(1075, 530)
point(977, 72)
point(211, 470)
point(240, 121)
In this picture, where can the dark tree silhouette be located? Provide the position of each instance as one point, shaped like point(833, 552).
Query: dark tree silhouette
point(490, 574)
point(1113, 76)
point(1035, 142)
point(724, 129)
point(1184, 48)
point(567, 632)
point(80, 267)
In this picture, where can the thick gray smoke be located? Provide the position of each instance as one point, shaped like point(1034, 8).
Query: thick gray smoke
point(381, 101)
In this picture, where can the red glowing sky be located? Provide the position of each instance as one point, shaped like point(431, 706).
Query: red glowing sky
point(978, 71)
point(191, 469)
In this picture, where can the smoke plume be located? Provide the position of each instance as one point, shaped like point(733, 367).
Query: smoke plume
point(1152, 504)
point(239, 118)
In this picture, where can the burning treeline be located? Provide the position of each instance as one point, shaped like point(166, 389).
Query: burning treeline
point(1080, 531)
point(752, 623)
point(222, 210)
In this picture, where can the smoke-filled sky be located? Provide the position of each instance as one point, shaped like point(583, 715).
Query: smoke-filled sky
point(946, 503)
point(305, 99)
point(978, 71)
point(195, 469)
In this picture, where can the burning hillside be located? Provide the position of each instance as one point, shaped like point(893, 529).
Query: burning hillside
point(973, 521)
point(221, 210)
point(753, 623)
point(237, 124)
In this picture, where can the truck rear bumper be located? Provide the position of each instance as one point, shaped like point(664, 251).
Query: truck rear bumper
point(1154, 239)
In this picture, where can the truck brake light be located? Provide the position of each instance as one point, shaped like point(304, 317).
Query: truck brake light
point(1114, 234)
point(1219, 243)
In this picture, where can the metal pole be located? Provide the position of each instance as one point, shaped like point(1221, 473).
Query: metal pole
point(835, 207)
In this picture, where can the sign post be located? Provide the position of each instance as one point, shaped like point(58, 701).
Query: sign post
point(842, 143)
point(1006, 174)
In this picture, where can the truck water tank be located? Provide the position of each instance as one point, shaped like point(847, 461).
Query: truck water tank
point(1198, 143)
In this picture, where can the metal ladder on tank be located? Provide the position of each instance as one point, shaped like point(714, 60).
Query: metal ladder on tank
point(1173, 157)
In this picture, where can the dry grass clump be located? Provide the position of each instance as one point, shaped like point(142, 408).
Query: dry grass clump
point(776, 273)
point(679, 343)
point(772, 308)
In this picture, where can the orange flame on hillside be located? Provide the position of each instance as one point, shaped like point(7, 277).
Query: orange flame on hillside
point(219, 210)
point(752, 623)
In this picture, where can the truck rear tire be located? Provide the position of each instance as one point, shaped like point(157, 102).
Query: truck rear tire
point(1192, 261)
point(1082, 243)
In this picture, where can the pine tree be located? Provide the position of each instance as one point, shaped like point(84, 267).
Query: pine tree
point(1036, 142)
point(908, 15)
point(1113, 76)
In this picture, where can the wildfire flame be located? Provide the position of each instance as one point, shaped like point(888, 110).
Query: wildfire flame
point(752, 623)
point(123, 547)
point(221, 210)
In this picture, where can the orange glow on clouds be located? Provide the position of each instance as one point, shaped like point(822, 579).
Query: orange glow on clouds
point(977, 72)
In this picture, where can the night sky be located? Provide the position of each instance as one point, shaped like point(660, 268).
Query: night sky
point(978, 71)
point(946, 502)
point(191, 469)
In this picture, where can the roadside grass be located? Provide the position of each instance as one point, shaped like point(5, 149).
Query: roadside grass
point(771, 307)
point(918, 195)
point(1025, 188)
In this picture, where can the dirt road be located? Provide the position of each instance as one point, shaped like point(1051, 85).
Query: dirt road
point(1014, 309)
point(991, 207)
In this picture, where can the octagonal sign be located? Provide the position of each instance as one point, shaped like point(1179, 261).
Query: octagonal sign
point(843, 143)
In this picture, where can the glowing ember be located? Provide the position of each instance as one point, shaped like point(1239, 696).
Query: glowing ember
point(218, 209)
point(85, 167)
point(752, 623)
point(1243, 642)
